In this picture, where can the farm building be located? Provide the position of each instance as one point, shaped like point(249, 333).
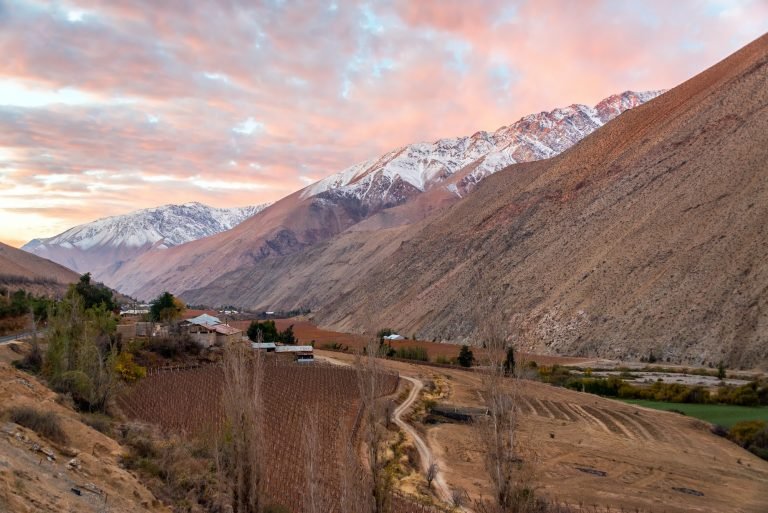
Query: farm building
point(203, 319)
point(207, 330)
point(301, 354)
point(394, 336)
point(226, 333)
point(203, 334)
point(151, 329)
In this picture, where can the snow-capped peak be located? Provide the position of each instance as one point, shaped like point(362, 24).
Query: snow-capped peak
point(159, 227)
point(422, 165)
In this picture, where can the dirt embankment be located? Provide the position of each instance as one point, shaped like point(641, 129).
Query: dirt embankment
point(82, 474)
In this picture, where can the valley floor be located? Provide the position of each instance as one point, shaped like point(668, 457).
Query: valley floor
point(589, 450)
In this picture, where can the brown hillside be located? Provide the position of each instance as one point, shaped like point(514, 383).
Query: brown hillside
point(650, 234)
point(22, 270)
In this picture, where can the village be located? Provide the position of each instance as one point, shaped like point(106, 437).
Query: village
point(208, 332)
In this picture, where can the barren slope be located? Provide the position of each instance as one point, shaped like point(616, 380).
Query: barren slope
point(33, 482)
point(650, 234)
point(19, 269)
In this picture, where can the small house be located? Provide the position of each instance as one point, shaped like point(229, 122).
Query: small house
point(226, 333)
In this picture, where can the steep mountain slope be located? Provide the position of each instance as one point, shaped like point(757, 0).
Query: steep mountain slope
point(649, 235)
point(446, 169)
point(103, 244)
point(19, 269)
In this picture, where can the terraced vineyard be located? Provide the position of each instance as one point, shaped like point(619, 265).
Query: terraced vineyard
point(296, 398)
point(625, 423)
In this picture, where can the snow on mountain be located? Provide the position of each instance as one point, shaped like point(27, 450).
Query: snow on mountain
point(160, 227)
point(99, 244)
point(417, 167)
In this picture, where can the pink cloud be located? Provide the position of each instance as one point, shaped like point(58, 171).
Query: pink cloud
point(327, 87)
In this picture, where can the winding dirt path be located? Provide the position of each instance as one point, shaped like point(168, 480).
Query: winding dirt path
point(426, 456)
point(425, 453)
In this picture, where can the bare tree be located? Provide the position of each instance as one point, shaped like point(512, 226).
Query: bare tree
point(458, 497)
point(242, 461)
point(499, 429)
point(350, 498)
point(369, 379)
point(316, 499)
point(432, 470)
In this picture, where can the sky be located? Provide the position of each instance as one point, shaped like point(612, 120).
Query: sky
point(110, 106)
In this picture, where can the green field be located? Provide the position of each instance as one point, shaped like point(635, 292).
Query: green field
point(722, 414)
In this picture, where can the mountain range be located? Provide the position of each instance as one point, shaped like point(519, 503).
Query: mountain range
point(147, 252)
point(103, 245)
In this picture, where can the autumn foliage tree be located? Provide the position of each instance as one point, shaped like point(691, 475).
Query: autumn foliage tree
point(166, 308)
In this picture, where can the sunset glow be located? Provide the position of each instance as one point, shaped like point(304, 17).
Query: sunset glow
point(106, 107)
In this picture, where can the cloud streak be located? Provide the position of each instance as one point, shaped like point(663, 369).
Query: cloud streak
point(110, 106)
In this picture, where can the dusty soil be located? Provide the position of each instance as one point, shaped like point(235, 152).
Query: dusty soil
point(39, 476)
point(654, 461)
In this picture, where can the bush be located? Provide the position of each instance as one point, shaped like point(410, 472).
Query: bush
point(466, 358)
point(173, 346)
point(412, 353)
point(76, 384)
point(100, 423)
point(32, 361)
point(335, 346)
point(45, 424)
point(127, 369)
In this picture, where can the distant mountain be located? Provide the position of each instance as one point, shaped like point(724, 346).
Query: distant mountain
point(22, 270)
point(420, 178)
point(104, 244)
point(404, 172)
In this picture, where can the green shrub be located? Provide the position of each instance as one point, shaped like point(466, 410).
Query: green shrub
point(45, 424)
point(466, 358)
point(75, 383)
point(745, 432)
point(412, 353)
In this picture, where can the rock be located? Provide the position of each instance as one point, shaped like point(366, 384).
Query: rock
point(49, 453)
point(73, 464)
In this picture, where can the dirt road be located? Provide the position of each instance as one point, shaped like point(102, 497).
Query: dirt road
point(425, 452)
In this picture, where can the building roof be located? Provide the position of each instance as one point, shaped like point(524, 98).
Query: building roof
point(204, 319)
point(192, 313)
point(394, 336)
point(263, 345)
point(293, 349)
point(226, 329)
